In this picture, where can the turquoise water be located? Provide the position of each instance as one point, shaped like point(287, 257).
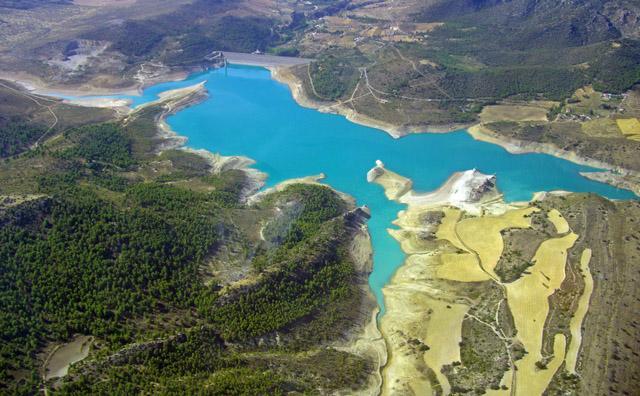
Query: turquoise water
point(250, 114)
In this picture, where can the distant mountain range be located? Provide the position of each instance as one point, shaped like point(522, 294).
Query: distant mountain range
point(27, 4)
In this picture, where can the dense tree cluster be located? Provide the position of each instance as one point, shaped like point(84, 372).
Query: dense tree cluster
point(188, 34)
point(311, 276)
point(332, 76)
point(619, 71)
point(243, 34)
point(105, 249)
point(16, 135)
point(137, 38)
point(74, 263)
point(319, 204)
point(101, 143)
point(198, 355)
point(198, 362)
point(307, 271)
point(556, 83)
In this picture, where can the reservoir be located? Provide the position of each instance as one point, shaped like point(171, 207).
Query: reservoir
point(247, 113)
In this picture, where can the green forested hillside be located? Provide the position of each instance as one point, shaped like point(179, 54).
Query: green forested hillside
point(187, 35)
point(536, 47)
point(17, 134)
point(527, 24)
point(27, 118)
point(105, 238)
point(440, 62)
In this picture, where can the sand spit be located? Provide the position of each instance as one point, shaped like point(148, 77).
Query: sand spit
point(395, 186)
point(470, 190)
point(176, 99)
point(453, 238)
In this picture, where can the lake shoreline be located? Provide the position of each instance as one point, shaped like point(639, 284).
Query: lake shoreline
point(176, 100)
point(38, 86)
point(284, 76)
point(477, 131)
point(615, 176)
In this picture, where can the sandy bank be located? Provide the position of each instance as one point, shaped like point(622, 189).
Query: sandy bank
point(514, 146)
point(121, 104)
point(627, 182)
point(141, 81)
point(38, 86)
point(263, 60)
point(314, 179)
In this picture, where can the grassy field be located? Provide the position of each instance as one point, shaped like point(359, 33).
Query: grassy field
point(612, 148)
point(514, 113)
point(629, 126)
point(528, 301)
point(577, 319)
point(549, 285)
point(482, 235)
point(558, 221)
point(461, 267)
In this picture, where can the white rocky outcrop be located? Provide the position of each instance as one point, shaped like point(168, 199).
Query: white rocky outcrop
point(469, 190)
